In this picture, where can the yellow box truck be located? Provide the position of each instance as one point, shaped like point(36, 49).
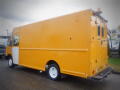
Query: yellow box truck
point(74, 44)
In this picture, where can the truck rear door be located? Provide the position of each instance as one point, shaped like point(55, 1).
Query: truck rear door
point(101, 57)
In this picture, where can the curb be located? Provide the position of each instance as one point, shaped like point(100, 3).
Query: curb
point(115, 72)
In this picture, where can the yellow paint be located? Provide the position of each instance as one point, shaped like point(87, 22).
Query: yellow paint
point(8, 50)
point(72, 41)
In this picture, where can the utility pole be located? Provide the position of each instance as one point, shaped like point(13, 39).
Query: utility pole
point(7, 32)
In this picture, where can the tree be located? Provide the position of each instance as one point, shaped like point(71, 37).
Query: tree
point(119, 40)
point(119, 28)
point(119, 48)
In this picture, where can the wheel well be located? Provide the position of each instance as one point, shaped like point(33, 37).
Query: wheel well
point(51, 62)
point(8, 56)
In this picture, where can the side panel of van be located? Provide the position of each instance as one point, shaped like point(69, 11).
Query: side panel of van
point(66, 40)
point(72, 41)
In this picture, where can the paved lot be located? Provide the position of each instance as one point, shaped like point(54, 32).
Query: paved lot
point(21, 78)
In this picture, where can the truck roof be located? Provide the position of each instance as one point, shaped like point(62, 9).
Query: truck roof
point(90, 11)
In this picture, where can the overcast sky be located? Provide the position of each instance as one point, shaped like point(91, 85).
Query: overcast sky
point(19, 12)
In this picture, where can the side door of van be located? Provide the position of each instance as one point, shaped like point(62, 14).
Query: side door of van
point(15, 49)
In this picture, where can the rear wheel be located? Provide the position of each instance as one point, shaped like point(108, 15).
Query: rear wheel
point(53, 72)
point(10, 63)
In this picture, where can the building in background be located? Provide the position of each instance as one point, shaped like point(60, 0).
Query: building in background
point(4, 40)
point(114, 39)
point(4, 36)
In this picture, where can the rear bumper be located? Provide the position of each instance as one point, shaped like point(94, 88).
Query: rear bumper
point(102, 74)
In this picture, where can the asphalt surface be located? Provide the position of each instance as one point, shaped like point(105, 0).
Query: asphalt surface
point(21, 78)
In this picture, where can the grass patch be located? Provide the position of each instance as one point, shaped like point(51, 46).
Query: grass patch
point(115, 63)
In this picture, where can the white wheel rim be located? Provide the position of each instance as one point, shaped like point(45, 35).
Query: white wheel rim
point(10, 62)
point(53, 72)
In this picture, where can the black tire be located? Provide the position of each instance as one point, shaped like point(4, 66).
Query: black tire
point(10, 63)
point(56, 75)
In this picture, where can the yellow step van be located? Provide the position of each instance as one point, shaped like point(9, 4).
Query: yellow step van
point(74, 44)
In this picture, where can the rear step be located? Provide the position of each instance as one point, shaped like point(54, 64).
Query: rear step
point(102, 74)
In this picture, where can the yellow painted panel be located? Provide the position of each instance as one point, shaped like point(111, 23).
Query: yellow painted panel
point(70, 40)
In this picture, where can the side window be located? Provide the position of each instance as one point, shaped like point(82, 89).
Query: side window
point(98, 30)
point(103, 31)
point(15, 40)
point(9, 42)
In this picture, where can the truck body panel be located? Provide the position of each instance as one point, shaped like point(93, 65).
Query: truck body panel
point(71, 41)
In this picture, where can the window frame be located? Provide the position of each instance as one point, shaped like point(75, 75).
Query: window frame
point(98, 30)
point(103, 31)
point(15, 40)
